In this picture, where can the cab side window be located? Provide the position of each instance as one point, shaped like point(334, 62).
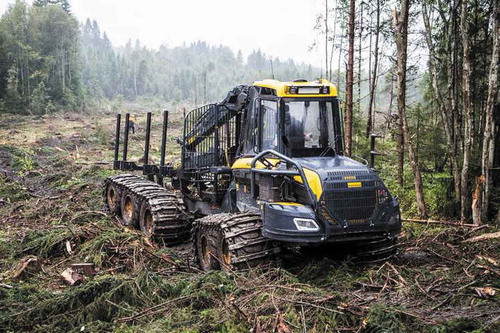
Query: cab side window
point(269, 122)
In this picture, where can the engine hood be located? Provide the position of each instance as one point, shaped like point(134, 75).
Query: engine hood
point(341, 164)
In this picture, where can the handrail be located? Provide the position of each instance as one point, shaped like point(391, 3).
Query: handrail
point(299, 172)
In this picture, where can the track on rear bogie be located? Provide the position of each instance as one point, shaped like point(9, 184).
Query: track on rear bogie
point(140, 203)
point(232, 241)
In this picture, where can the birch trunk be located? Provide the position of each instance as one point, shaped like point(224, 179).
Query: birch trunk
point(373, 83)
point(489, 129)
point(446, 116)
point(401, 34)
point(467, 105)
point(349, 83)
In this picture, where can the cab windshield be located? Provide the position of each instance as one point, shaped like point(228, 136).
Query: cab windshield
point(309, 129)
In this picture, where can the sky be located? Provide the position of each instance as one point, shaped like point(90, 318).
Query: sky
point(280, 28)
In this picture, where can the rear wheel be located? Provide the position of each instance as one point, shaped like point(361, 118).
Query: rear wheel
point(112, 199)
point(146, 223)
point(160, 214)
point(129, 209)
point(112, 194)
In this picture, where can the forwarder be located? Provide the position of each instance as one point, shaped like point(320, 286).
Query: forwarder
point(262, 170)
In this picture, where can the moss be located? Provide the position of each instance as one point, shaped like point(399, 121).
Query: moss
point(387, 319)
point(12, 191)
point(23, 160)
point(96, 302)
point(460, 325)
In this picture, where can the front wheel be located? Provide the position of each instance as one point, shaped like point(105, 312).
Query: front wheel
point(231, 241)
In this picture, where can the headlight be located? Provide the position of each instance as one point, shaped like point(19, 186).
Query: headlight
point(306, 224)
point(395, 219)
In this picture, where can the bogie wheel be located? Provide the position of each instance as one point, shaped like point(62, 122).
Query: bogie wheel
point(223, 252)
point(161, 214)
point(146, 223)
point(129, 210)
point(113, 198)
point(206, 248)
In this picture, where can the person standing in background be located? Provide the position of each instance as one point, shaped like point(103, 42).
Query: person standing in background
point(131, 123)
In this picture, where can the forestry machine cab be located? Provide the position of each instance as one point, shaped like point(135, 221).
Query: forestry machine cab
point(262, 170)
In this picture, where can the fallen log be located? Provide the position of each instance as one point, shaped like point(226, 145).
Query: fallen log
point(493, 235)
point(455, 224)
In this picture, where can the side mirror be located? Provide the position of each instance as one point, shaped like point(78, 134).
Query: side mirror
point(373, 152)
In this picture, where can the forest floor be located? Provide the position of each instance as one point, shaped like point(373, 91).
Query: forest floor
point(51, 173)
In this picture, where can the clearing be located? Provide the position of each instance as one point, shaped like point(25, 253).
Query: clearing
point(51, 170)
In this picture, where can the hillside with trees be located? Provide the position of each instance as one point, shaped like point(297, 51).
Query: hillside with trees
point(198, 73)
point(81, 67)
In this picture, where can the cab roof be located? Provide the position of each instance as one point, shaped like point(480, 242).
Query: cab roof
point(300, 88)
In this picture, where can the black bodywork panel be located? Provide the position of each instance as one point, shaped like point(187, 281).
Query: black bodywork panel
point(216, 135)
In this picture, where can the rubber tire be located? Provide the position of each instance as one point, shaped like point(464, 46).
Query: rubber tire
point(129, 219)
point(207, 240)
point(116, 208)
point(143, 220)
point(222, 253)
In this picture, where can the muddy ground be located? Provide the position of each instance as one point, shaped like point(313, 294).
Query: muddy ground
point(51, 217)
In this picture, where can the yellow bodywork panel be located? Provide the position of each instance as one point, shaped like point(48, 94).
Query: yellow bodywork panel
point(311, 176)
point(313, 180)
point(284, 203)
point(244, 163)
point(282, 88)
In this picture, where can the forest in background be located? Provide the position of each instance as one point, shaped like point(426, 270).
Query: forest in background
point(423, 74)
point(52, 62)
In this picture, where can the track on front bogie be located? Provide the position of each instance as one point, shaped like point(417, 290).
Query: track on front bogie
point(369, 252)
point(143, 204)
point(376, 251)
point(231, 241)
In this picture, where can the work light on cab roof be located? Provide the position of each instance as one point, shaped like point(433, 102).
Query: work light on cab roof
point(301, 87)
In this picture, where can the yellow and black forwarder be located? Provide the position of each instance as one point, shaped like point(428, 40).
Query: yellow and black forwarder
point(262, 170)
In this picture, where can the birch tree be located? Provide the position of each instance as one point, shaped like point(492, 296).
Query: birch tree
point(350, 79)
point(400, 20)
